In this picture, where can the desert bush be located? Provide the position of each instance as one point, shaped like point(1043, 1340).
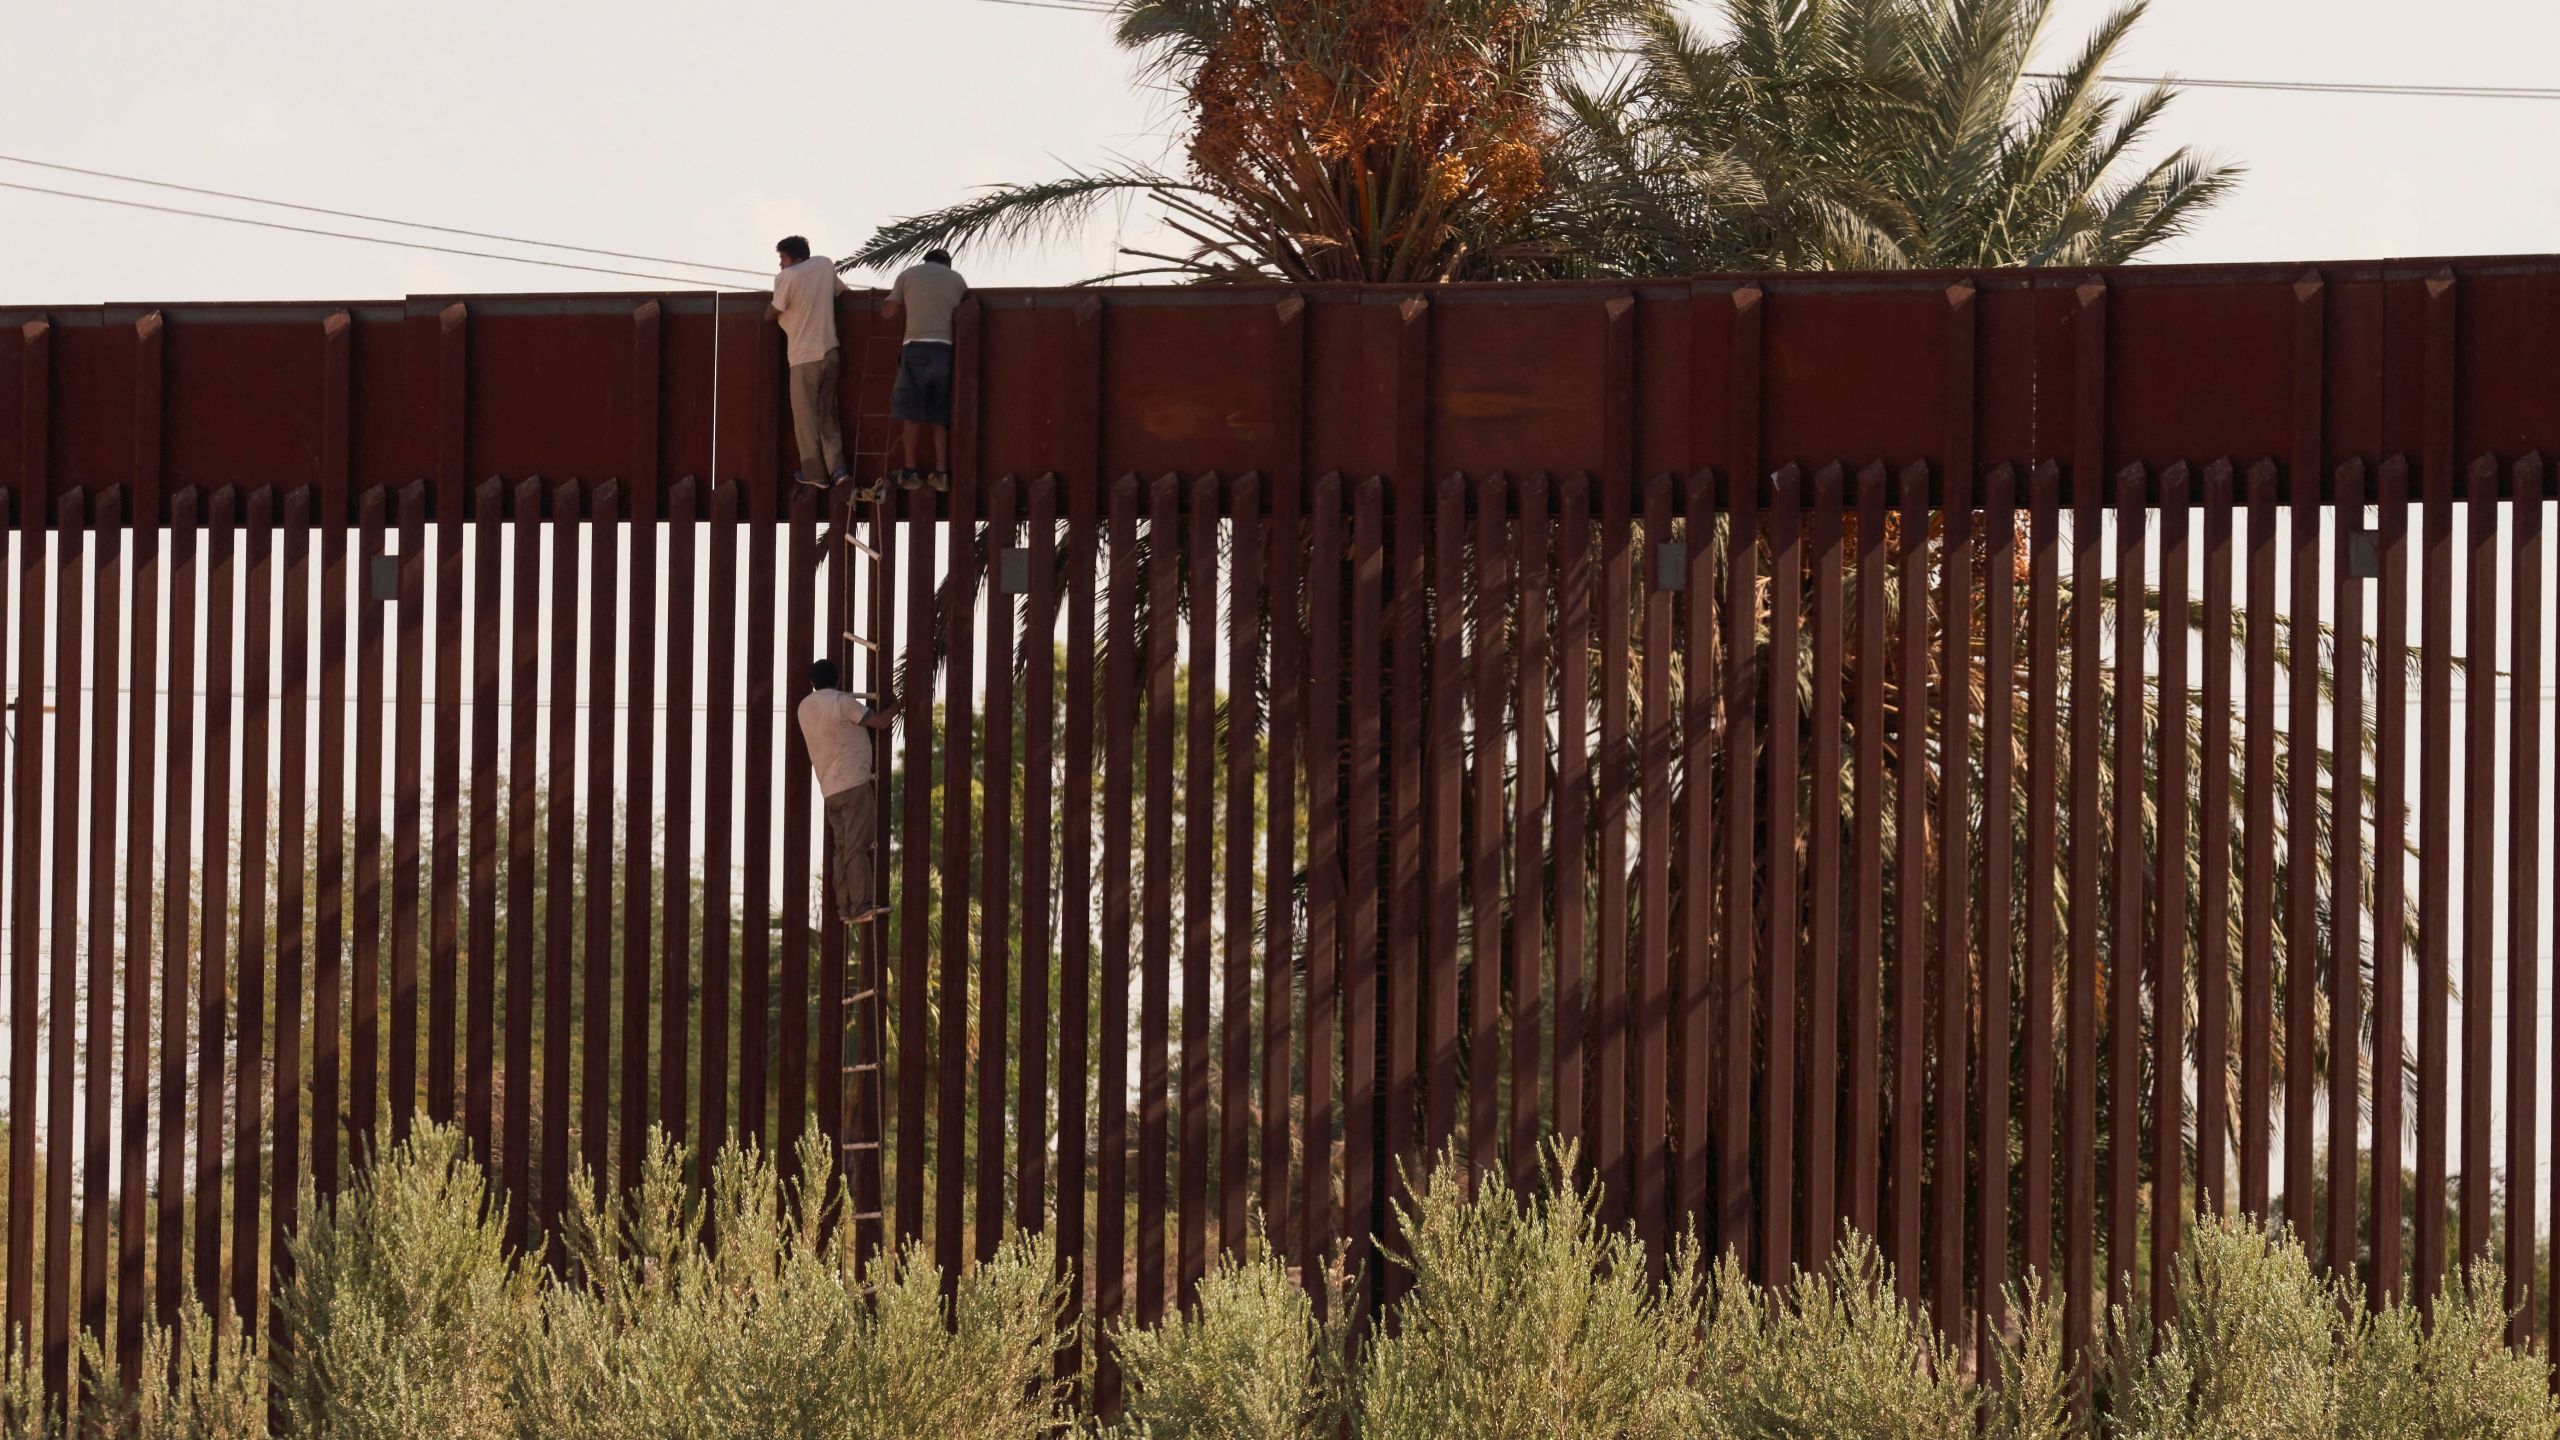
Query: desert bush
point(740, 1314)
point(25, 1412)
point(2264, 1348)
point(212, 1385)
point(1251, 1361)
point(406, 1312)
point(2253, 1351)
point(613, 1354)
point(1836, 1354)
point(974, 1368)
point(776, 1313)
point(215, 1386)
point(2456, 1379)
point(2036, 1394)
point(1525, 1319)
point(742, 1319)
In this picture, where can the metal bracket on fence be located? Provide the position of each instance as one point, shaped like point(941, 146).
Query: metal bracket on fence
point(2364, 557)
point(1013, 570)
point(382, 577)
point(1671, 561)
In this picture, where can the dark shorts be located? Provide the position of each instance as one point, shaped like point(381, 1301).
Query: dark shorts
point(923, 391)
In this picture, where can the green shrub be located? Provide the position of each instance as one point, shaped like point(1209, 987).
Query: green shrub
point(761, 1330)
point(25, 1412)
point(1836, 1354)
point(1250, 1362)
point(406, 1312)
point(2036, 1397)
point(776, 1314)
point(216, 1387)
point(2254, 1351)
point(614, 1354)
point(1525, 1321)
point(2263, 1348)
point(2456, 1380)
point(740, 1316)
point(975, 1368)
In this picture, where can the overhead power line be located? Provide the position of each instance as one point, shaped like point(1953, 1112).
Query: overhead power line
point(2329, 87)
point(687, 280)
point(370, 219)
point(2303, 87)
point(2315, 87)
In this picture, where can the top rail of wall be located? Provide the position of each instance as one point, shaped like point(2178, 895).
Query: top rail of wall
point(2436, 358)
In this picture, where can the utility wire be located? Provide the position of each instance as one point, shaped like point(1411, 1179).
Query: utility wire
point(2301, 87)
point(371, 219)
point(686, 280)
point(2328, 87)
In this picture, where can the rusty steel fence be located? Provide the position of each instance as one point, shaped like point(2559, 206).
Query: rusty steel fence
point(2008, 858)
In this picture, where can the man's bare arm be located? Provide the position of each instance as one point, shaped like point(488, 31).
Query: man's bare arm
point(882, 715)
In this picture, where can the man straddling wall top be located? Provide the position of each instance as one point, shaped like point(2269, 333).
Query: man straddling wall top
point(927, 295)
point(837, 727)
point(804, 300)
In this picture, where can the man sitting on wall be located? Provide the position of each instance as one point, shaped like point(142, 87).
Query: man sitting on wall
point(927, 295)
point(838, 727)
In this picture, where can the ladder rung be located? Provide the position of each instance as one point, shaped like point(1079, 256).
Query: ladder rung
point(859, 545)
point(861, 1066)
point(858, 996)
point(871, 645)
point(862, 1145)
point(860, 1215)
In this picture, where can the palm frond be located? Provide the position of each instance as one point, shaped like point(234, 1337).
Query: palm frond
point(1009, 215)
point(1174, 34)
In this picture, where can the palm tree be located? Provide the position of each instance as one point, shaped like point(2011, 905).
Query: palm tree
point(1867, 134)
point(1364, 140)
point(1426, 140)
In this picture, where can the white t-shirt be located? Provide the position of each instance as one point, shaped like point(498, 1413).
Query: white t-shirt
point(805, 296)
point(839, 743)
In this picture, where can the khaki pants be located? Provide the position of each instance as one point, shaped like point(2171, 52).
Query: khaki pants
point(815, 418)
point(853, 820)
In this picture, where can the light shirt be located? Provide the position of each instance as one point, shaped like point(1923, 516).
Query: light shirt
point(929, 294)
point(839, 743)
point(805, 298)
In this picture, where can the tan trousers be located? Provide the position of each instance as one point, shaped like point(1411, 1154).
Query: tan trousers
point(853, 822)
point(815, 417)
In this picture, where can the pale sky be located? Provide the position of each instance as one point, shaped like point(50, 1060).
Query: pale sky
point(703, 133)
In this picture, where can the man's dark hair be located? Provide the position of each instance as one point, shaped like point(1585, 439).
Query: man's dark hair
point(937, 257)
point(822, 675)
point(794, 247)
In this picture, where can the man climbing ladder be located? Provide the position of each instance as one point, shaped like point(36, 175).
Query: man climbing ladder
point(837, 726)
